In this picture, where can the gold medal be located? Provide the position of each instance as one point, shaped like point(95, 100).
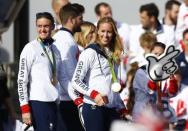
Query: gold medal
point(54, 80)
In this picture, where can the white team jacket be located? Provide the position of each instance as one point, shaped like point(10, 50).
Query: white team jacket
point(93, 73)
point(68, 48)
point(35, 70)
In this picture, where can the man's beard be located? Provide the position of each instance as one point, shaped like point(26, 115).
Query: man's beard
point(145, 27)
point(173, 20)
point(77, 29)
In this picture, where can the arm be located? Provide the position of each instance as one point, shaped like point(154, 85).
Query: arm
point(25, 64)
point(75, 96)
point(68, 51)
point(85, 63)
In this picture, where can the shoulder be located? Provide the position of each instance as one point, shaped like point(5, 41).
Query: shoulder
point(62, 33)
point(30, 49)
point(63, 38)
point(88, 52)
point(141, 71)
point(29, 46)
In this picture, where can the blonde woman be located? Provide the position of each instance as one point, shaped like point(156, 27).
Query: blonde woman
point(95, 77)
point(86, 36)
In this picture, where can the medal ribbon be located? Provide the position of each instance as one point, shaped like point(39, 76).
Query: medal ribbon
point(114, 78)
point(53, 64)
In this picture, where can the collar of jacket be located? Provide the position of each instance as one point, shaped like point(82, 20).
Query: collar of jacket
point(97, 48)
point(65, 29)
point(47, 42)
point(159, 28)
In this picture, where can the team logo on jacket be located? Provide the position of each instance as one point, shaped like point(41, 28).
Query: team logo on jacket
point(42, 54)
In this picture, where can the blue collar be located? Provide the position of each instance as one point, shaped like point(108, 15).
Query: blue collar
point(163, 22)
point(159, 28)
point(47, 42)
point(65, 29)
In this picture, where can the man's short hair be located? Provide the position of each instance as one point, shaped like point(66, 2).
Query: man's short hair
point(170, 3)
point(151, 9)
point(98, 6)
point(70, 10)
point(79, 7)
point(46, 15)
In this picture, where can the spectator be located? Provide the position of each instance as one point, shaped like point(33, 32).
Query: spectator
point(182, 60)
point(127, 94)
point(171, 13)
point(182, 22)
point(143, 96)
point(149, 22)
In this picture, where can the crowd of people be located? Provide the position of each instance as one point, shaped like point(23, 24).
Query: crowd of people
point(93, 73)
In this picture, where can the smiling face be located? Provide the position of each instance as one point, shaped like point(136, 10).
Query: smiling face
point(44, 28)
point(105, 34)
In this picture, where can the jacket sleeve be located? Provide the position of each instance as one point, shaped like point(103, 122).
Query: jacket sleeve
point(85, 61)
point(75, 96)
point(25, 64)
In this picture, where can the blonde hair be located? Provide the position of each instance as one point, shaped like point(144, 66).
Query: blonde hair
point(116, 45)
point(81, 37)
point(147, 40)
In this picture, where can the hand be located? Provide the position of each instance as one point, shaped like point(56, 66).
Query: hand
point(99, 100)
point(162, 68)
point(26, 117)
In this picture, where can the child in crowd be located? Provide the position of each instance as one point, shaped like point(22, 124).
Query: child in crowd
point(143, 97)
